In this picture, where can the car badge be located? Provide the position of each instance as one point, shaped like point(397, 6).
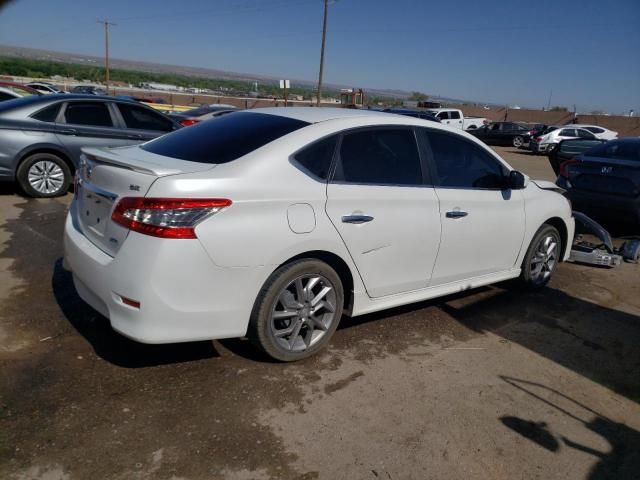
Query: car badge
point(607, 169)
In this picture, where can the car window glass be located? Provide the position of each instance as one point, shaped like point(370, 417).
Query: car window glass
point(584, 134)
point(143, 119)
point(224, 139)
point(6, 96)
point(47, 114)
point(459, 163)
point(379, 156)
point(443, 116)
point(495, 127)
point(88, 113)
point(454, 115)
point(594, 129)
point(317, 158)
point(568, 132)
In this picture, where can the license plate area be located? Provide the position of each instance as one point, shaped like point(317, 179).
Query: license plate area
point(94, 208)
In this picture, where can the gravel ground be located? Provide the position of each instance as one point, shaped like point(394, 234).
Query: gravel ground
point(494, 383)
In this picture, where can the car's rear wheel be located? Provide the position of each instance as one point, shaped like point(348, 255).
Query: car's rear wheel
point(518, 141)
point(542, 257)
point(297, 310)
point(44, 175)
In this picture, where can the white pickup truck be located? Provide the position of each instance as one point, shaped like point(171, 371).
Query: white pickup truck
point(455, 118)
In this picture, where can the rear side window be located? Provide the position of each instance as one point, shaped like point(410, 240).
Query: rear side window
point(459, 163)
point(454, 114)
point(594, 129)
point(143, 119)
point(584, 134)
point(5, 96)
point(379, 156)
point(317, 158)
point(95, 114)
point(48, 114)
point(225, 139)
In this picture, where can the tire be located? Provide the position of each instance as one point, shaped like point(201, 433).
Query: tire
point(542, 258)
point(44, 175)
point(518, 141)
point(283, 323)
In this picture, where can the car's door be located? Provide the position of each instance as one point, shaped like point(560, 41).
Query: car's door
point(379, 202)
point(89, 123)
point(456, 119)
point(142, 123)
point(483, 223)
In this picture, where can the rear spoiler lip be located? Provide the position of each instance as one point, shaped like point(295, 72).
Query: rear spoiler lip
point(113, 156)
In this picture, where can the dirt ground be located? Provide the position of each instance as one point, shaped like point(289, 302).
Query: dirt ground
point(495, 383)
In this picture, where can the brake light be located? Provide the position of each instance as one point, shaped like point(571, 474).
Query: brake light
point(187, 122)
point(564, 167)
point(538, 139)
point(166, 217)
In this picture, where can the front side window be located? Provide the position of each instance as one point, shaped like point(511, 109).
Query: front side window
point(443, 116)
point(225, 139)
point(5, 96)
point(316, 158)
point(143, 119)
point(380, 156)
point(94, 114)
point(568, 132)
point(459, 163)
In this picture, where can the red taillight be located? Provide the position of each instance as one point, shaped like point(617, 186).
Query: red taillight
point(166, 217)
point(538, 139)
point(564, 167)
point(187, 122)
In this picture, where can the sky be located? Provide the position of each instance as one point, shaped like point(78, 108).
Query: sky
point(586, 52)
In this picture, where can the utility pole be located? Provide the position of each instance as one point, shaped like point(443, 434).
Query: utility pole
point(324, 39)
point(106, 24)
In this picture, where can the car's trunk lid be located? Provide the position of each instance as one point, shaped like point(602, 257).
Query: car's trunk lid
point(608, 176)
point(107, 175)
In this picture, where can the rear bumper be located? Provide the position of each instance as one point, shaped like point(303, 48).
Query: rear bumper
point(183, 295)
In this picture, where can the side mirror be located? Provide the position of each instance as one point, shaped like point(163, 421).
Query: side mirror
point(516, 180)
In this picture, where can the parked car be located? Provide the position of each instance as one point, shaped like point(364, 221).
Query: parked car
point(604, 182)
point(88, 90)
point(45, 88)
point(455, 118)
point(200, 114)
point(569, 149)
point(423, 114)
point(41, 136)
point(10, 91)
point(599, 132)
point(545, 143)
point(273, 222)
point(502, 133)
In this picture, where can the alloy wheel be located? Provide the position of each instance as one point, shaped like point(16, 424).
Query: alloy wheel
point(303, 312)
point(544, 259)
point(46, 177)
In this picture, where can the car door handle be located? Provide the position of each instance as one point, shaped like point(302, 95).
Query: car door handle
point(456, 214)
point(68, 131)
point(357, 219)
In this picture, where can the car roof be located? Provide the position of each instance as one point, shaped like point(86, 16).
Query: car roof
point(315, 114)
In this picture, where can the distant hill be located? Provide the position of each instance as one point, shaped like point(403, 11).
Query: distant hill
point(210, 73)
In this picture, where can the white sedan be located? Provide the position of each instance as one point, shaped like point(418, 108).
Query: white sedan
point(600, 132)
point(272, 223)
point(547, 142)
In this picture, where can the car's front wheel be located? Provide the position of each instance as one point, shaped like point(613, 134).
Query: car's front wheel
point(542, 257)
point(44, 175)
point(297, 310)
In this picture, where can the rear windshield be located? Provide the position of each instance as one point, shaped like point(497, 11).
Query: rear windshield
point(624, 150)
point(224, 140)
